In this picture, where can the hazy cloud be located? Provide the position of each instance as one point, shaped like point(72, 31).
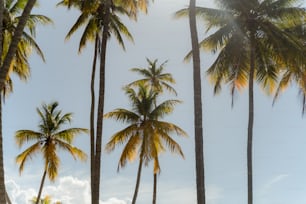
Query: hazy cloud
point(69, 190)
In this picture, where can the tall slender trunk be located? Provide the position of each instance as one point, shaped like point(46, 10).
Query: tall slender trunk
point(154, 188)
point(92, 118)
point(101, 101)
point(198, 133)
point(16, 38)
point(137, 180)
point(1, 25)
point(2, 182)
point(41, 186)
point(251, 122)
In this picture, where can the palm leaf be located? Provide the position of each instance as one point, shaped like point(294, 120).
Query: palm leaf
point(68, 135)
point(121, 137)
point(27, 154)
point(130, 150)
point(22, 136)
point(74, 151)
point(123, 115)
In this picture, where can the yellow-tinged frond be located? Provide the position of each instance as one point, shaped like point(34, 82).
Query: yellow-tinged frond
point(156, 166)
point(52, 160)
point(23, 136)
point(130, 150)
point(121, 137)
point(165, 108)
point(169, 128)
point(172, 145)
point(27, 154)
point(123, 115)
point(69, 134)
point(75, 152)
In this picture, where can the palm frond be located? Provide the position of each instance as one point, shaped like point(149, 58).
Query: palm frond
point(22, 158)
point(123, 115)
point(51, 158)
point(130, 151)
point(68, 135)
point(122, 136)
point(23, 136)
point(90, 33)
point(164, 109)
point(75, 152)
point(82, 19)
point(172, 145)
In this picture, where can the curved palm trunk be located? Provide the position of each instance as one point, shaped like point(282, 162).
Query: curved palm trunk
point(100, 114)
point(154, 188)
point(41, 187)
point(137, 181)
point(251, 123)
point(2, 183)
point(199, 153)
point(16, 38)
point(8, 201)
point(92, 117)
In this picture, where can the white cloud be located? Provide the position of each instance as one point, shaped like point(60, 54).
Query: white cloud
point(18, 195)
point(69, 190)
point(72, 190)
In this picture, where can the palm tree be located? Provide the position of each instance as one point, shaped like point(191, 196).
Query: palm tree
point(19, 64)
point(93, 19)
point(47, 140)
point(157, 80)
point(254, 44)
point(197, 98)
point(22, 21)
point(104, 23)
point(144, 136)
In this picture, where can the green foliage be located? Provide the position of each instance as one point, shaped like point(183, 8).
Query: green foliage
point(145, 132)
point(48, 138)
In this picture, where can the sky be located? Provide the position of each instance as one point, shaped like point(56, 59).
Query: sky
point(279, 130)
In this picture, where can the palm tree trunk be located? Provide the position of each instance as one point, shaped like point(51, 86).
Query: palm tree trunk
point(154, 188)
point(101, 102)
point(137, 181)
point(199, 153)
point(2, 181)
point(251, 123)
point(8, 201)
point(41, 187)
point(92, 117)
point(1, 25)
point(16, 38)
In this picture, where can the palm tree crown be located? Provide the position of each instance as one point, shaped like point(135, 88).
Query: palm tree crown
point(144, 126)
point(145, 136)
point(19, 64)
point(155, 77)
point(48, 138)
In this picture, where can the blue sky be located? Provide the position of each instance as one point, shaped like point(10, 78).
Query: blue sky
point(279, 131)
